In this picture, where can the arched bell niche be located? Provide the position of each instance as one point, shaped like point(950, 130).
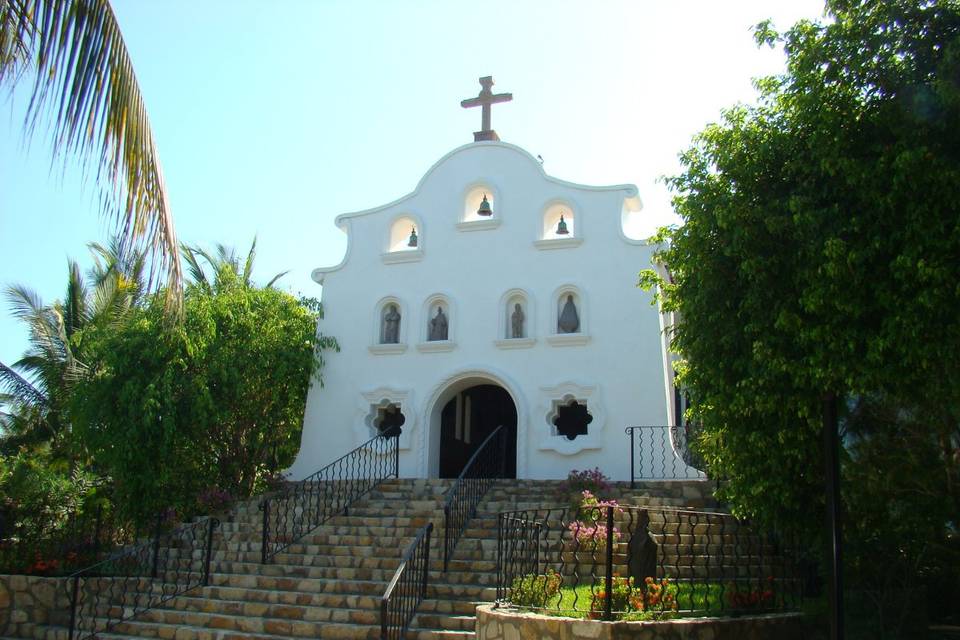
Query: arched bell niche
point(559, 221)
point(474, 207)
point(406, 234)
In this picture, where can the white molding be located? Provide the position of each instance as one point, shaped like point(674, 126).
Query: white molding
point(515, 343)
point(558, 243)
point(395, 257)
point(568, 339)
point(551, 398)
point(479, 225)
point(387, 349)
point(432, 346)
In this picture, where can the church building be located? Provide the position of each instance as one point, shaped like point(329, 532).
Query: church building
point(493, 294)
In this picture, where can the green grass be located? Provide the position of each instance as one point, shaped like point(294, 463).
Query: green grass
point(699, 599)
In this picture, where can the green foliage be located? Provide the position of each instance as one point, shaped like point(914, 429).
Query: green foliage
point(818, 255)
point(217, 401)
point(535, 591)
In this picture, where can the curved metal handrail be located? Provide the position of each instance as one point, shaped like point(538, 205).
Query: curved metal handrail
point(122, 586)
point(413, 589)
point(465, 509)
point(303, 506)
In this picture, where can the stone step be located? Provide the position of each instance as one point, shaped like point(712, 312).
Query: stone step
point(446, 622)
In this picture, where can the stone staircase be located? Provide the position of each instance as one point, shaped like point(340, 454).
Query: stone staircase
point(329, 584)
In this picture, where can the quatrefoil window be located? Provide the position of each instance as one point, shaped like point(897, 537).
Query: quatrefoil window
point(572, 419)
point(389, 420)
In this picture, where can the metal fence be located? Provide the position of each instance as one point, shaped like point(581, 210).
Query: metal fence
point(138, 578)
point(303, 506)
point(610, 562)
point(407, 588)
point(663, 453)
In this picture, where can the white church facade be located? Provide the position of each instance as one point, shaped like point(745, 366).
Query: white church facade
point(491, 295)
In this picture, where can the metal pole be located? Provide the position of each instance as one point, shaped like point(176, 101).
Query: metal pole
point(831, 446)
point(446, 535)
point(396, 455)
point(608, 605)
point(156, 546)
point(426, 562)
point(74, 601)
point(265, 507)
point(631, 457)
point(211, 523)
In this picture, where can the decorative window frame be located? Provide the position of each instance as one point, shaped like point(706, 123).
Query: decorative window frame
point(576, 239)
point(379, 348)
point(430, 346)
point(582, 337)
point(503, 311)
point(480, 224)
point(381, 397)
point(551, 399)
point(404, 255)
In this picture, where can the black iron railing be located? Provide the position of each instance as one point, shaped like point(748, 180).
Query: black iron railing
point(663, 453)
point(610, 562)
point(407, 588)
point(486, 464)
point(134, 580)
point(59, 550)
point(303, 506)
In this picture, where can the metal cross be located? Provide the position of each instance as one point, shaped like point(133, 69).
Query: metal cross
point(484, 100)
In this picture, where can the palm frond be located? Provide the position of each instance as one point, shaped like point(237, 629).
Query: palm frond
point(16, 388)
point(274, 279)
point(84, 78)
point(194, 268)
point(248, 265)
point(75, 312)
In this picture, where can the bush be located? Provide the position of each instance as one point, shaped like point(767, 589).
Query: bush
point(592, 480)
point(590, 528)
point(533, 590)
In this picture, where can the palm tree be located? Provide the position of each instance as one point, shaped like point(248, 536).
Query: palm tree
point(224, 263)
point(36, 388)
point(83, 77)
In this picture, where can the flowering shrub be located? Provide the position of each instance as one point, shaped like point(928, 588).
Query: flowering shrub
point(534, 590)
point(592, 480)
point(214, 499)
point(590, 528)
point(655, 599)
point(759, 597)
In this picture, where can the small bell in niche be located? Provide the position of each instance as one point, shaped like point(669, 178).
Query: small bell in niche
point(412, 242)
point(562, 227)
point(485, 209)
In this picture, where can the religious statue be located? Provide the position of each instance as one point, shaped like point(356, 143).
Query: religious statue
point(569, 321)
point(438, 326)
point(391, 325)
point(516, 322)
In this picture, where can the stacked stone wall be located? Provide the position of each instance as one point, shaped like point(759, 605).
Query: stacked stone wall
point(27, 601)
point(509, 624)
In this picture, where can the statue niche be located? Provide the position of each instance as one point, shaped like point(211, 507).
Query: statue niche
point(438, 326)
point(390, 325)
point(569, 320)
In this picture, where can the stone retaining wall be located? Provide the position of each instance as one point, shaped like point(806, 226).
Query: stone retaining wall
point(26, 601)
point(510, 624)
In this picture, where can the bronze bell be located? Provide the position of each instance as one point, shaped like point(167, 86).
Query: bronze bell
point(485, 209)
point(562, 227)
point(412, 242)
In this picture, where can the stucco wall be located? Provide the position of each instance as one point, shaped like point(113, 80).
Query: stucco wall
point(505, 624)
point(617, 362)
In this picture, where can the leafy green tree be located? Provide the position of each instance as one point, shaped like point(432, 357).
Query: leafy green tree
point(216, 402)
point(83, 79)
point(818, 255)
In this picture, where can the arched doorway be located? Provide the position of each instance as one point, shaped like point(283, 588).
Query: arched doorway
point(464, 416)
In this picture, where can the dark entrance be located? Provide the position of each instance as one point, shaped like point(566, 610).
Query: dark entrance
point(489, 407)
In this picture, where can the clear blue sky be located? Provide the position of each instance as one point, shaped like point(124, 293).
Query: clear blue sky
point(273, 117)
